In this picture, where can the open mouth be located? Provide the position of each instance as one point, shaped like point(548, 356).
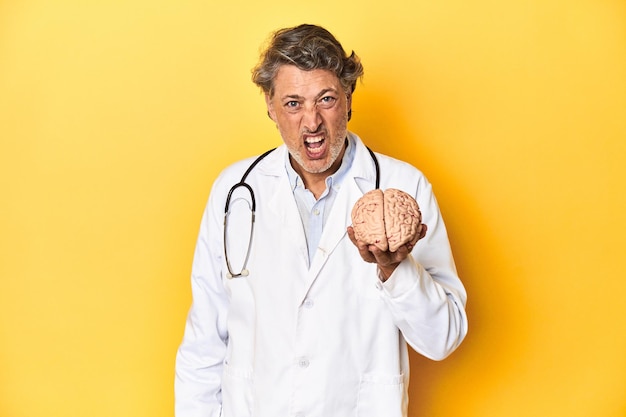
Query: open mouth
point(314, 145)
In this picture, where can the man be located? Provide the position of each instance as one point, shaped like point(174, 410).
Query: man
point(296, 317)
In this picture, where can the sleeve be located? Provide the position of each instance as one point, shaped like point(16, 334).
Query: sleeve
point(200, 357)
point(424, 294)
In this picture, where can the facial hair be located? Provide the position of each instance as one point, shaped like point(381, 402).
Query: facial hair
point(335, 148)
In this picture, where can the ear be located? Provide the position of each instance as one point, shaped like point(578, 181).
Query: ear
point(270, 107)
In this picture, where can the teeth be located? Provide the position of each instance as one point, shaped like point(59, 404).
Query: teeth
point(314, 139)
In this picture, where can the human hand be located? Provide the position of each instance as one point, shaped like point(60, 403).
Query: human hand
point(387, 261)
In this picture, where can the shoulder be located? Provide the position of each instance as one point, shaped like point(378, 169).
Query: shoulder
point(397, 167)
point(227, 180)
point(268, 163)
point(391, 164)
point(394, 172)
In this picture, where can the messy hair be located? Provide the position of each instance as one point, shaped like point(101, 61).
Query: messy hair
point(308, 47)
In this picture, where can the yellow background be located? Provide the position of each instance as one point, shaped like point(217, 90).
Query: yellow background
point(115, 118)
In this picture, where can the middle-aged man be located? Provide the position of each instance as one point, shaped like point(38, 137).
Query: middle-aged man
point(295, 316)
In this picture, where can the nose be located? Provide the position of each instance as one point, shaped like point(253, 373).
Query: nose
point(311, 118)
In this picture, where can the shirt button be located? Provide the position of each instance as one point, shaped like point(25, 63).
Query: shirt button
point(308, 303)
point(379, 285)
point(303, 362)
point(316, 212)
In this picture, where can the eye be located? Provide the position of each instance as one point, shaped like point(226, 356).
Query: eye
point(292, 104)
point(327, 101)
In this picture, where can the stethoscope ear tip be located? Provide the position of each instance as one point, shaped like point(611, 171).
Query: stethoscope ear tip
point(243, 273)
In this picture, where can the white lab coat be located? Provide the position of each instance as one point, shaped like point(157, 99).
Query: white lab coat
point(325, 340)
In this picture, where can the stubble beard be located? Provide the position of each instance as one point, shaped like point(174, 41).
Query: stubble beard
point(335, 149)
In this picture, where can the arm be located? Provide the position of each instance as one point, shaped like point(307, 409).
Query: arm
point(200, 357)
point(420, 284)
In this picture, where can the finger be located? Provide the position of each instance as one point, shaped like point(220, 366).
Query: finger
point(365, 253)
point(402, 253)
point(382, 257)
point(423, 231)
point(399, 255)
point(361, 246)
point(350, 230)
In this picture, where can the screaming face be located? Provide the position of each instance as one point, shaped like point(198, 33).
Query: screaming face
point(310, 109)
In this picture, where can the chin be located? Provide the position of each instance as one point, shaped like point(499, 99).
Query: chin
point(320, 169)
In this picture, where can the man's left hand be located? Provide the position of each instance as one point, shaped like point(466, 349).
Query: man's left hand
point(387, 261)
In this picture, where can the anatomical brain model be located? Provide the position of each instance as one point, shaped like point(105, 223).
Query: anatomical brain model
point(387, 219)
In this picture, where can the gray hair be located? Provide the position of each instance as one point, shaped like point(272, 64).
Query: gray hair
point(308, 47)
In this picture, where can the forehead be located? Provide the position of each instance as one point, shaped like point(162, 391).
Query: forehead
point(291, 80)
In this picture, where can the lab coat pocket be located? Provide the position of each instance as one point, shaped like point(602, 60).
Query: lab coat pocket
point(381, 395)
point(237, 386)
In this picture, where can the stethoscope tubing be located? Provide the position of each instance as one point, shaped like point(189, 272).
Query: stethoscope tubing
point(242, 183)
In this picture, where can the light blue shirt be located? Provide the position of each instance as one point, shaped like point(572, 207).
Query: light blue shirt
point(314, 213)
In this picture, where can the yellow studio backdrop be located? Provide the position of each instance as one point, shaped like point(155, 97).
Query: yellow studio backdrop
point(116, 117)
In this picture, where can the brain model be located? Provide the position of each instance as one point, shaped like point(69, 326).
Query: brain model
point(386, 219)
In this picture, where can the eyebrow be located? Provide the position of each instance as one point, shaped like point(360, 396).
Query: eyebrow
point(318, 96)
point(324, 91)
point(291, 96)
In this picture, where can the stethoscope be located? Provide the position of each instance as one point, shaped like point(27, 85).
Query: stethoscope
point(242, 183)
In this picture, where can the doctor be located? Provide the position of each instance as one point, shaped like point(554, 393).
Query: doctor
point(291, 315)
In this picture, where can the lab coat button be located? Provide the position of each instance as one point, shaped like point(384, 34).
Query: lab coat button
point(308, 303)
point(303, 362)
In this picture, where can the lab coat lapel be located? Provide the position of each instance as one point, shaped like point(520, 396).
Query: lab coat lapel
point(284, 210)
point(340, 217)
point(336, 225)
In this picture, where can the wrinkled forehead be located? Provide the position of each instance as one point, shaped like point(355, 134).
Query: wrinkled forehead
point(291, 80)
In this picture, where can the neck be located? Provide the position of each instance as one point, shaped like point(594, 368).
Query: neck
point(316, 185)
